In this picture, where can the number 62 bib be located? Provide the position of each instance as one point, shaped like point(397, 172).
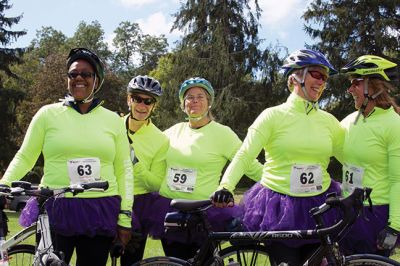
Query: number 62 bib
point(305, 178)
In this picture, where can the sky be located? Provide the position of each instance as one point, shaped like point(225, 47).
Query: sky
point(281, 22)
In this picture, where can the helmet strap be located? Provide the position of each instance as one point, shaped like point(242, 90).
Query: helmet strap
point(91, 95)
point(364, 105)
point(147, 117)
point(309, 103)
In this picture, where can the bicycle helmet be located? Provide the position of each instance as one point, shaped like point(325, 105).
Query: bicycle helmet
point(91, 58)
point(372, 66)
point(306, 57)
point(196, 82)
point(145, 84)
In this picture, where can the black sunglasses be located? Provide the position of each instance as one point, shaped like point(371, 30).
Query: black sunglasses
point(83, 74)
point(146, 101)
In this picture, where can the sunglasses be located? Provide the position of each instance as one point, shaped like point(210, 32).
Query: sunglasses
point(83, 74)
point(318, 75)
point(146, 101)
point(356, 81)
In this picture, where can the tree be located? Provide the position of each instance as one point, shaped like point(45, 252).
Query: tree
point(90, 36)
point(9, 98)
point(136, 53)
point(8, 56)
point(126, 42)
point(220, 44)
point(48, 41)
point(151, 49)
point(346, 29)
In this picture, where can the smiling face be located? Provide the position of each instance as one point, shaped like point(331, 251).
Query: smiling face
point(80, 87)
point(141, 105)
point(196, 102)
point(356, 90)
point(314, 83)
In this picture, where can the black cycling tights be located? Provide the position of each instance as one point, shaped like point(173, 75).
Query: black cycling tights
point(292, 256)
point(89, 250)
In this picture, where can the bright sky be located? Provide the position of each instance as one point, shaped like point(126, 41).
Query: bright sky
point(280, 21)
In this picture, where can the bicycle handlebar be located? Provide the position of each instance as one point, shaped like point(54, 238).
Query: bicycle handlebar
point(19, 188)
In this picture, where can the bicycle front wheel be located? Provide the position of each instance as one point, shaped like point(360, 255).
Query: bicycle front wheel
point(369, 259)
point(245, 255)
point(162, 261)
point(21, 255)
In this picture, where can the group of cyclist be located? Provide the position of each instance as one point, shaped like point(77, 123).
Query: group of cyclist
point(82, 142)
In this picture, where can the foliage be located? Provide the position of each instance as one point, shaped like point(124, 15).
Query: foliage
point(346, 29)
point(136, 53)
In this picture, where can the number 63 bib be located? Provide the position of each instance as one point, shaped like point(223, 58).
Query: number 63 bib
point(305, 178)
point(182, 180)
point(83, 170)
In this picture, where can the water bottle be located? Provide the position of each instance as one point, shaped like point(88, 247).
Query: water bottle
point(232, 262)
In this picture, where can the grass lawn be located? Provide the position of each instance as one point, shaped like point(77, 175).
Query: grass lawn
point(153, 247)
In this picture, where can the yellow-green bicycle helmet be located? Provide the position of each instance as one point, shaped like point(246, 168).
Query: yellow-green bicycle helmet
point(371, 66)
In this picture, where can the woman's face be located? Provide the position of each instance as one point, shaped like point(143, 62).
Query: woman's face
point(80, 86)
point(314, 83)
point(141, 105)
point(356, 90)
point(196, 102)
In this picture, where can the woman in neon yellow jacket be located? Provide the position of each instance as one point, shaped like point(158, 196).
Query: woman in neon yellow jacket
point(298, 139)
point(371, 154)
point(75, 134)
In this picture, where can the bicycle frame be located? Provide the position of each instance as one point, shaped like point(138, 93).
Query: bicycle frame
point(329, 248)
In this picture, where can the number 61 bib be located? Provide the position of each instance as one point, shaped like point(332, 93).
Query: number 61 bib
point(83, 170)
point(182, 180)
point(305, 178)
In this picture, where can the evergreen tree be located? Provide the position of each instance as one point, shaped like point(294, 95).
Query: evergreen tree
point(346, 29)
point(9, 98)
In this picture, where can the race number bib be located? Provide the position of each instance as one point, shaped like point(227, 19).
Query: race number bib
point(182, 180)
point(352, 177)
point(305, 178)
point(83, 170)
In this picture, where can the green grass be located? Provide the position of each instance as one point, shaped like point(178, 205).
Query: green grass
point(153, 247)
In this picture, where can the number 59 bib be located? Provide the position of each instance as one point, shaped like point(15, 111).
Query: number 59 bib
point(305, 178)
point(182, 180)
point(83, 170)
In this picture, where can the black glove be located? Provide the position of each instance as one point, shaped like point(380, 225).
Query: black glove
point(222, 196)
point(135, 242)
point(116, 249)
point(387, 238)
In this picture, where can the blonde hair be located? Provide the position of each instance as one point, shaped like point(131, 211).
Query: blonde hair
point(383, 100)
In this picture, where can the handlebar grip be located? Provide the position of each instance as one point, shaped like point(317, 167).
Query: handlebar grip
point(21, 184)
point(101, 185)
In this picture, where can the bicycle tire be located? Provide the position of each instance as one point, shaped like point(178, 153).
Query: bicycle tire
point(21, 255)
point(162, 261)
point(369, 259)
point(245, 255)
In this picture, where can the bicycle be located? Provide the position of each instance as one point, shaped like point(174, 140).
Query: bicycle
point(42, 253)
point(249, 250)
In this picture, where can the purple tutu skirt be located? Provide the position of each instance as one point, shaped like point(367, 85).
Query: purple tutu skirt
point(362, 236)
point(142, 212)
point(84, 216)
point(219, 218)
point(267, 210)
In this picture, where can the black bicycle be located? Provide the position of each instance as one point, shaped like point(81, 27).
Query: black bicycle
point(42, 253)
point(247, 247)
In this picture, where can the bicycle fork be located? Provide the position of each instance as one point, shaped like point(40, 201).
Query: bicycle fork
point(45, 249)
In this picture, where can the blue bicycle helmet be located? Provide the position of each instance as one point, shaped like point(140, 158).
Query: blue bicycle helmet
point(91, 58)
point(196, 82)
point(146, 85)
point(306, 57)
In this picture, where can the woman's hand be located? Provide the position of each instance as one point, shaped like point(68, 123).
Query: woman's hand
point(222, 198)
